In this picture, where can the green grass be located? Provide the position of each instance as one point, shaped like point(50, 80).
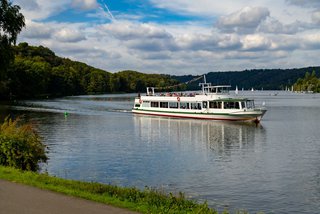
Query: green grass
point(146, 201)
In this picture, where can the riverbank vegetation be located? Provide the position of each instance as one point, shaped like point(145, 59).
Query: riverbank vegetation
point(146, 201)
point(20, 146)
point(310, 83)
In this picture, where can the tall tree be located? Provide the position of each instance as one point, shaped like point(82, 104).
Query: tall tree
point(11, 24)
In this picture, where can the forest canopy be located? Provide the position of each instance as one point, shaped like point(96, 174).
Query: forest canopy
point(310, 83)
point(38, 72)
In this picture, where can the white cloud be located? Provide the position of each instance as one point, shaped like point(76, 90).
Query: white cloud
point(28, 4)
point(41, 9)
point(85, 4)
point(305, 3)
point(69, 35)
point(245, 20)
point(311, 41)
point(316, 17)
point(129, 31)
point(273, 26)
point(35, 30)
point(256, 42)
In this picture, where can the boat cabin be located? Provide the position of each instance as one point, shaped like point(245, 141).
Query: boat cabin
point(211, 104)
point(207, 88)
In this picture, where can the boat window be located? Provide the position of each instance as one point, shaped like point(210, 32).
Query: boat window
point(215, 104)
point(204, 104)
point(184, 105)
point(250, 104)
point(137, 105)
point(173, 105)
point(195, 106)
point(243, 104)
point(145, 104)
point(155, 104)
point(231, 105)
point(163, 104)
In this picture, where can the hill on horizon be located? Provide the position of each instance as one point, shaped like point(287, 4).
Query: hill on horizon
point(266, 79)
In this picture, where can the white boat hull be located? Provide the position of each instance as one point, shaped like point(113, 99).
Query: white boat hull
point(254, 116)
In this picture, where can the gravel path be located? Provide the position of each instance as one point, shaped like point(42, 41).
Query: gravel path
point(20, 199)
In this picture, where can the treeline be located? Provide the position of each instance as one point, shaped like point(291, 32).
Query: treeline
point(267, 79)
point(310, 83)
point(38, 72)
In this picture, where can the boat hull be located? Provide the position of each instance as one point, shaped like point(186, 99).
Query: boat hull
point(254, 116)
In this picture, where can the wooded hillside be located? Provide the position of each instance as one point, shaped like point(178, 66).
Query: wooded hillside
point(267, 79)
point(38, 72)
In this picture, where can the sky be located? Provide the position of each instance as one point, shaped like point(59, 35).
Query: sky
point(177, 37)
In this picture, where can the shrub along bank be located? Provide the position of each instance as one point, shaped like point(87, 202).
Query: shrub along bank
point(20, 146)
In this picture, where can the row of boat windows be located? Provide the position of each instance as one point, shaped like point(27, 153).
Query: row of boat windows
point(212, 104)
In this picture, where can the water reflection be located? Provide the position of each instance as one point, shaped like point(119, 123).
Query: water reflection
point(219, 137)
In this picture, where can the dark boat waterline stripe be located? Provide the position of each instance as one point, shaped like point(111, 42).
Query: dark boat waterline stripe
point(201, 118)
point(195, 113)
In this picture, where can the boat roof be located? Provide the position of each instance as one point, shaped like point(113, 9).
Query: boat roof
point(207, 88)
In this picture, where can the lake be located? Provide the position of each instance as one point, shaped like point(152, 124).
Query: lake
point(273, 167)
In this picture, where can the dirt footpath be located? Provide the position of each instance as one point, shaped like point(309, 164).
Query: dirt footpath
point(21, 199)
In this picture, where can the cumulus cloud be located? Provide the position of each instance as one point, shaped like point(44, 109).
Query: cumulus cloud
point(311, 41)
point(85, 4)
point(305, 3)
point(197, 42)
point(316, 17)
point(69, 35)
point(41, 9)
point(245, 20)
point(28, 4)
point(131, 31)
point(256, 42)
point(286, 43)
point(230, 42)
point(274, 26)
point(35, 30)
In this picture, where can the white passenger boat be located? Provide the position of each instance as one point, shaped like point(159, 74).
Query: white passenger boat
point(212, 103)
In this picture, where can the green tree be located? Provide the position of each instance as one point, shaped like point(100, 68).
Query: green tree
point(11, 24)
point(308, 83)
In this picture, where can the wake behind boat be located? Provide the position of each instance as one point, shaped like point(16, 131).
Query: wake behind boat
point(213, 103)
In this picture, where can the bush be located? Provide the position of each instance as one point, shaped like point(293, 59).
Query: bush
point(20, 146)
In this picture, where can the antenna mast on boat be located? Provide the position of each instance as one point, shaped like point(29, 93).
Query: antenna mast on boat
point(204, 84)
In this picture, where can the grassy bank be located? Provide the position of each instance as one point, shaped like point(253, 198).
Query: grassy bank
point(146, 201)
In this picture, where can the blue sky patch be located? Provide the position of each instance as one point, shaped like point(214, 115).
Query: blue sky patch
point(139, 8)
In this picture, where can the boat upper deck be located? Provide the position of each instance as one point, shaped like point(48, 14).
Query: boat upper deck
point(207, 89)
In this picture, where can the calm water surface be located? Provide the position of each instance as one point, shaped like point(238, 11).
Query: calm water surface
point(273, 167)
